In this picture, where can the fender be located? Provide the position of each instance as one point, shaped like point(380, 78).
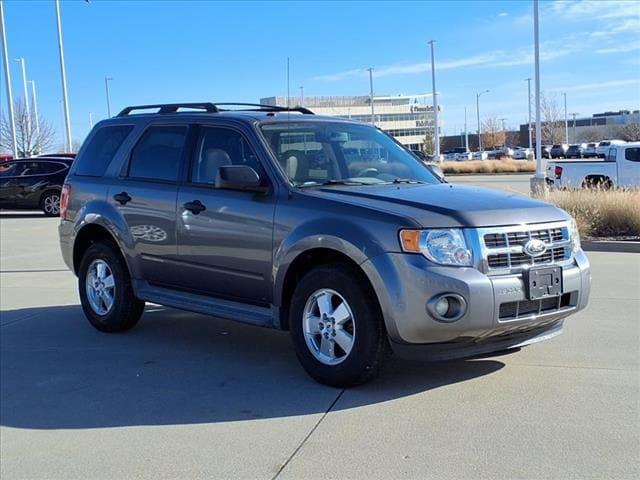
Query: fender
point(101, 213)
point(347, 238)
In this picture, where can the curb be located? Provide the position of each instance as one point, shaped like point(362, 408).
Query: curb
point(610, 246)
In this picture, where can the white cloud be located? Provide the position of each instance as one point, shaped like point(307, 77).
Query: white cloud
point(597, 85)
point(503, 14)
point(622, 48)
point(577, 10)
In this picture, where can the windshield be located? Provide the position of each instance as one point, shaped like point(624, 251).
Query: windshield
point(326, 153)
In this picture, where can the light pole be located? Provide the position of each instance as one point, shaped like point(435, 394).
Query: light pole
point(529, 117)
point(63, 77)
point(566, 122)
point(302, 95)
point(574, 115)
point(436, 129)
point(106, 89)
point(7, 78)
point(538, 185)
point(504, 128)
point(36, 117)
point(466, 133)
point(478, 95)
point(26, 96)
point(373, 117)
point(90, 120)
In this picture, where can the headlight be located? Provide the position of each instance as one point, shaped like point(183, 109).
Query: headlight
point(574, 236)
point(446, 247)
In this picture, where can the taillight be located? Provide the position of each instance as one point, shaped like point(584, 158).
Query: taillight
point(64, 200)
point(558, 171)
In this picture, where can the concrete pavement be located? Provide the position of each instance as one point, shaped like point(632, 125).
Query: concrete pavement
point(190, 396)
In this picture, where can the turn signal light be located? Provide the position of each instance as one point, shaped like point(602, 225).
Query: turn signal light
point(410, 240)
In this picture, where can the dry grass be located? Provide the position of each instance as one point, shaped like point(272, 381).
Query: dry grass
point(489, 166)
point(601, 213)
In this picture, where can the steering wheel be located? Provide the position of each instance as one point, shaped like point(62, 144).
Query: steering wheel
point(367, 172)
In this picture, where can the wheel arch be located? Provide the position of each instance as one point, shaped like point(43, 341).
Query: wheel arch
point(88, 235)
point(308, 260)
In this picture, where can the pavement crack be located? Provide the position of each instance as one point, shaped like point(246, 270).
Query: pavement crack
point(304, 440)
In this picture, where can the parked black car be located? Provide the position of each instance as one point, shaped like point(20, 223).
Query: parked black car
point(33, 183)
point(559, 150)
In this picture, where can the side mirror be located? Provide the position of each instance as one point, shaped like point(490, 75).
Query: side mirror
point(239, 177)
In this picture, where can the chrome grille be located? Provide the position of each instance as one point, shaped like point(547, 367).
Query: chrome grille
point(503, 247)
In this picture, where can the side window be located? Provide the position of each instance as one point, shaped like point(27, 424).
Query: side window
point(611, 156)
point(632, 154)
point(158, 154)
point(11, 169)
point(101, 149)
point(44, 168)
point(216, 147)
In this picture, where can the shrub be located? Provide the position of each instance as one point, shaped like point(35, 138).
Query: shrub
point(601, 213)
point(489, 166)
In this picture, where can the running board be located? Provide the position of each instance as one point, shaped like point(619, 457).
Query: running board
point(241, 312)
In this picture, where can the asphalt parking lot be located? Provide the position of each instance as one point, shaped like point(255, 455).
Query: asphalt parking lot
point(189, 396)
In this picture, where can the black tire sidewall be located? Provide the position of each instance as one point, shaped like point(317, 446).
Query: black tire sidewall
point(126, 308)
point(363, 361)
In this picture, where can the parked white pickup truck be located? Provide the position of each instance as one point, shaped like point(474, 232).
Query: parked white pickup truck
point(620, 168)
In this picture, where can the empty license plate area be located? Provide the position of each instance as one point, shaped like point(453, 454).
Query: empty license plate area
point(544, 282)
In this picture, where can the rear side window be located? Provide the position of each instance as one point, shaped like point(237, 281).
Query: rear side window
point(158, 154)
point(45, 168)
point(632, 154)
point(101, 149)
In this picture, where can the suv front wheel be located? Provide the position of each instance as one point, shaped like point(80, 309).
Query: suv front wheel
point(336, 327)
point(105, 290)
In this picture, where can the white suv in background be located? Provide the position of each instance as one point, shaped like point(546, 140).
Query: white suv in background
point(603, 147)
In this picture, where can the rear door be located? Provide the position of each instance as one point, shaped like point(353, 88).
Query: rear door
point(146, 199)
point(225, 250)
point(10, 173)
point(629, 167)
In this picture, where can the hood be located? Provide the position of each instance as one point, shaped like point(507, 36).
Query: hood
point(446, 205)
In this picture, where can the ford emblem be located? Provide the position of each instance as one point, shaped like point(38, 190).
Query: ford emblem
point(535, 247)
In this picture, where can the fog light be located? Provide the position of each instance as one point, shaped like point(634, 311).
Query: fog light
point(442, 306)
point(447, 307)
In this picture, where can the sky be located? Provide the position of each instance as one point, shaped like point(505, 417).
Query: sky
point(172, 51)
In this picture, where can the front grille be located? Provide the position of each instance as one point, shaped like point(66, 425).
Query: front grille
point(504, 246)
point(526, 308)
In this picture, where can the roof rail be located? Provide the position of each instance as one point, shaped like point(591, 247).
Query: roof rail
point(266, 108)
point(170, 108)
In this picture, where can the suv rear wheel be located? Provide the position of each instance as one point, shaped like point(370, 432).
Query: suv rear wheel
point(336, 327)
point(105, 290)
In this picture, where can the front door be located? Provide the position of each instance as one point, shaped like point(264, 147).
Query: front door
point(225, 248)
point(146, 198)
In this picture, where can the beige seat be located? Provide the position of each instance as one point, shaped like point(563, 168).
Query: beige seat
point(212, 160)
point(296, 165)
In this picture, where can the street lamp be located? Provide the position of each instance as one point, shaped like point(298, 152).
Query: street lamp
point(26, 95)
point(63, 77)
point(566, 122)
point(529, 117)
point(7, 77)
point(302, 95)
point(106, 89)
point(373, 118)
point(478, 95)
point(436, 128)
point(538, 182)
point(36, 118)
point(574, 115)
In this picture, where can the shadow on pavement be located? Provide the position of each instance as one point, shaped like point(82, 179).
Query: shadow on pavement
point(174, 368)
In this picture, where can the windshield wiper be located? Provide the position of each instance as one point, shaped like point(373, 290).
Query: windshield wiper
point(405, 180)
point(333, 182)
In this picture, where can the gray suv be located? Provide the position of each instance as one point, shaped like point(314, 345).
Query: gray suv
point(324, 227)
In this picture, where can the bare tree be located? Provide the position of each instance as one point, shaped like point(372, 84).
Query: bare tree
point(492, 133)
point(32, 137)
point(630, 132)
point(552, 120)
point(591, 134)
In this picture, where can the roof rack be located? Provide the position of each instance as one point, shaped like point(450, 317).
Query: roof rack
point(213, 108)
point(170, 107)
point(266, 108)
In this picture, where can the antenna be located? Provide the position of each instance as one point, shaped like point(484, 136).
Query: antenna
point(288, 84)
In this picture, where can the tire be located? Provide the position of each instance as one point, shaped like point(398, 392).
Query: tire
point(125, 309)
point(50, 203)
point(369, 345)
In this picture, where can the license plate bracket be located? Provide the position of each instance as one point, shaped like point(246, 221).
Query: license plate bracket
point(543, 282)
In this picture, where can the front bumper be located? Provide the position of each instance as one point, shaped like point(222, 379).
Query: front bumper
point(405, 283)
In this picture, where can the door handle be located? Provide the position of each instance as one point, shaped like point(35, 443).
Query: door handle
point(122, 198)
point(195, 207)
